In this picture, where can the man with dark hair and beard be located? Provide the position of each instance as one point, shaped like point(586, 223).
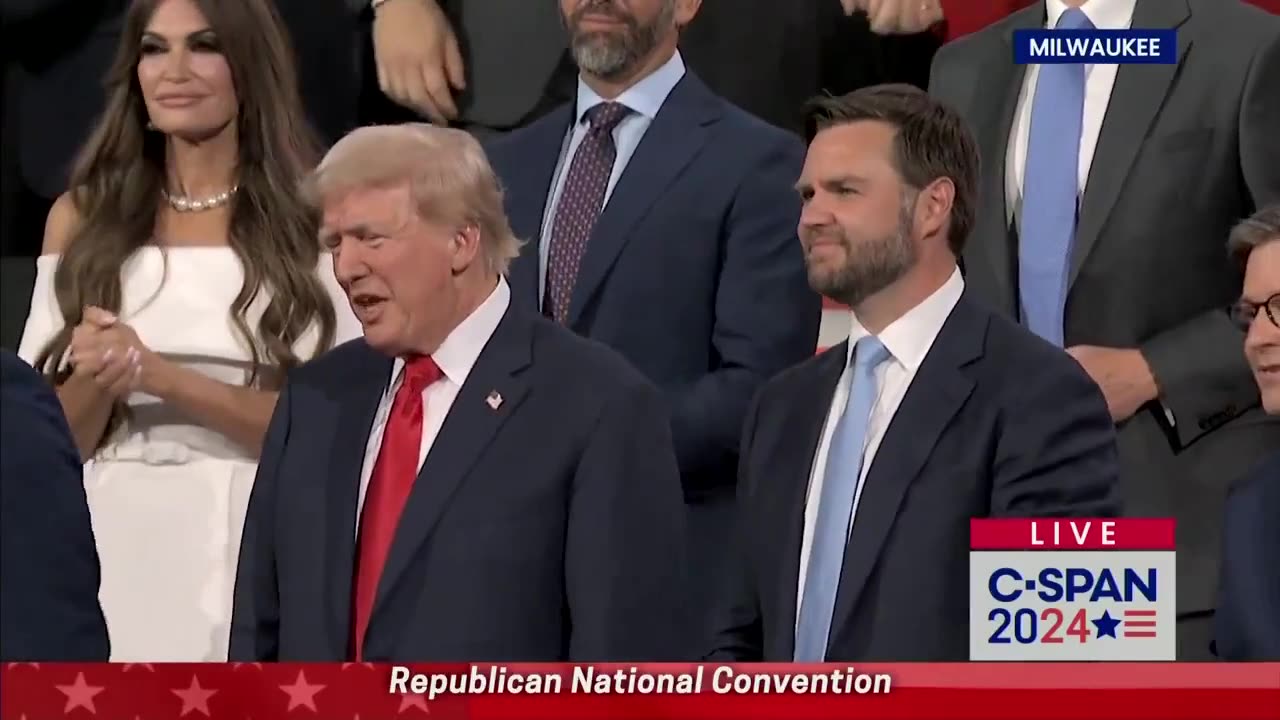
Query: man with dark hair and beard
point(661, 222)
point(861, 468)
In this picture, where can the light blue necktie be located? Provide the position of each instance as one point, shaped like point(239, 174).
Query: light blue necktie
point(1050, 190)
point(835, 506)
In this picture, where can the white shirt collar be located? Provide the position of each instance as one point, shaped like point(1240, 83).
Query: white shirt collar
point(1104, 14)
point(909, 338)
point(460, 350)
point(645, 97)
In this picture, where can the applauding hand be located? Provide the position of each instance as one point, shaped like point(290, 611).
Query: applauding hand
point(112, 355)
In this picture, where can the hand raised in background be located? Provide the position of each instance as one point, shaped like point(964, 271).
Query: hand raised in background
point(419, 61)
point(897, 17)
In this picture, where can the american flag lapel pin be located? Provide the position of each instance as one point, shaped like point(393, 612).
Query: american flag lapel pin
point(494, 401)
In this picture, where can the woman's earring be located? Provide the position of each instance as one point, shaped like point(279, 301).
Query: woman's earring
point(151, 126)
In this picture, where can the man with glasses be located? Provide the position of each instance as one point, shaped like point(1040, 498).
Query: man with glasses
point(1248, 622)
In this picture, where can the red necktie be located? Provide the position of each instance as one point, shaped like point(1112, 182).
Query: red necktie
point(389, 487)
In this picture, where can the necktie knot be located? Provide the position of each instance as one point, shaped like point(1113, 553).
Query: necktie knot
point(420, 371)
point(1074, 19)
point(869, 352)
point(606, 116)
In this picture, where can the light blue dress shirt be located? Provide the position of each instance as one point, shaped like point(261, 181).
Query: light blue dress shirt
point(645, 99)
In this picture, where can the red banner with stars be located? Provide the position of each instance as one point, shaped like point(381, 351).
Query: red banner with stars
point(976, 691)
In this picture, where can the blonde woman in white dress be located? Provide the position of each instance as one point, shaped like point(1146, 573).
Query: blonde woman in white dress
point(181, 277)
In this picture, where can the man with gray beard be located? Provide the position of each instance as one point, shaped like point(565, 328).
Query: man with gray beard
point(861, 468)
point(661, 222)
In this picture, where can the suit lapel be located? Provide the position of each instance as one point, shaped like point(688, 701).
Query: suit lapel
point(673, 139)
point(357, 406)
point(808, 417)
point(938, 391)
point(468, 429)
point(532, 169)
point(1138, 95)
point(994, 129)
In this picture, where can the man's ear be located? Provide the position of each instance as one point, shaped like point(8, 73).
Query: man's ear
point(464, 247)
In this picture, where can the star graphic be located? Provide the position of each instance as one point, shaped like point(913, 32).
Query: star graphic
point(16, 665)
point(301, 693)
point(237, 666)
point(346, 666)
point(80, 694)
point(1106, 625)
point(194, 698)
point(145, 666)
point(408, 701)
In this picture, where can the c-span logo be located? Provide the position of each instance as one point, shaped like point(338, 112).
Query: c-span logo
point(1063, 590)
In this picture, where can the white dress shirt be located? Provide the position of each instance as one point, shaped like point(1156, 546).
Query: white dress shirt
point(1099, 81)
point(645, 99)
point(455, 357)
point(908, 340)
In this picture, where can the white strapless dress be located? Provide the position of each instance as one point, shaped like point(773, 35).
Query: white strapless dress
point(168, 497)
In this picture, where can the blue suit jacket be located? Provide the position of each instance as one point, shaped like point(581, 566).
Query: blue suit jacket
point(996, 423)
point(545, 530)
point(1248, 617)
point(49, 572)
point(693, 271)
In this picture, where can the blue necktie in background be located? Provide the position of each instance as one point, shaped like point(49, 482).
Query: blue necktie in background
point(835, 506)
point(1050, 191)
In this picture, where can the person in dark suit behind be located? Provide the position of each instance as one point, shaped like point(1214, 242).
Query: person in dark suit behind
point(768, 57)
point(862, 467)
point(486, 66)
point(1108, 243)
point(49, 573)
point(544, 523)
point(1248, 617)
point(662, 223)
point(55, 54)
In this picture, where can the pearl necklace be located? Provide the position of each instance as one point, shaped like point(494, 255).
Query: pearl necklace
point(181, 203)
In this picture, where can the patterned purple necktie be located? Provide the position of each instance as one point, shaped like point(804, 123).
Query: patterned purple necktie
point(580, 204)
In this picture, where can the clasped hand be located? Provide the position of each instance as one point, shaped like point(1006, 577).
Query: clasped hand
point(110, 354)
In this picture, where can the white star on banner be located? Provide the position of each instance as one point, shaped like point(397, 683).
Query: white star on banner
point(237, 666)
point(145, 666)
point(80, 694)
point(346, 666)
point(408, 701)
point(301, 693)
point(194, 698)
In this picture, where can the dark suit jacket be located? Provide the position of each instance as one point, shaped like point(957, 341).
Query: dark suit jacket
point(546, 530)
point(769, 57)
point(516, 58)
point(57, 53)
point(996, 423)
point(49, 572)
point(1248, 617)
point(1186, 150)
point(693, 271)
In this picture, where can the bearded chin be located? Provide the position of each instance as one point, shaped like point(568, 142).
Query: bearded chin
point(868, 270)
point(602, 55)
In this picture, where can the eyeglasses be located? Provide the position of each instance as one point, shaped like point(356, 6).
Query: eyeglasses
point(1244, 313)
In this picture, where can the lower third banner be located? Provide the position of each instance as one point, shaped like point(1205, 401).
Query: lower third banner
point(976, 691)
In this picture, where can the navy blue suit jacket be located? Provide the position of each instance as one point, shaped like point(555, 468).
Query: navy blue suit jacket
point(546, 530)
point(693, 271)
point(1248, 617)
point(49, 572)
point(996, 423)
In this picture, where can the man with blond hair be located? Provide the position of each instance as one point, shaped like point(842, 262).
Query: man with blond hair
point(468, 481)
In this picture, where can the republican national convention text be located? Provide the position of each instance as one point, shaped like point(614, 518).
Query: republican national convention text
point(586, 680)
